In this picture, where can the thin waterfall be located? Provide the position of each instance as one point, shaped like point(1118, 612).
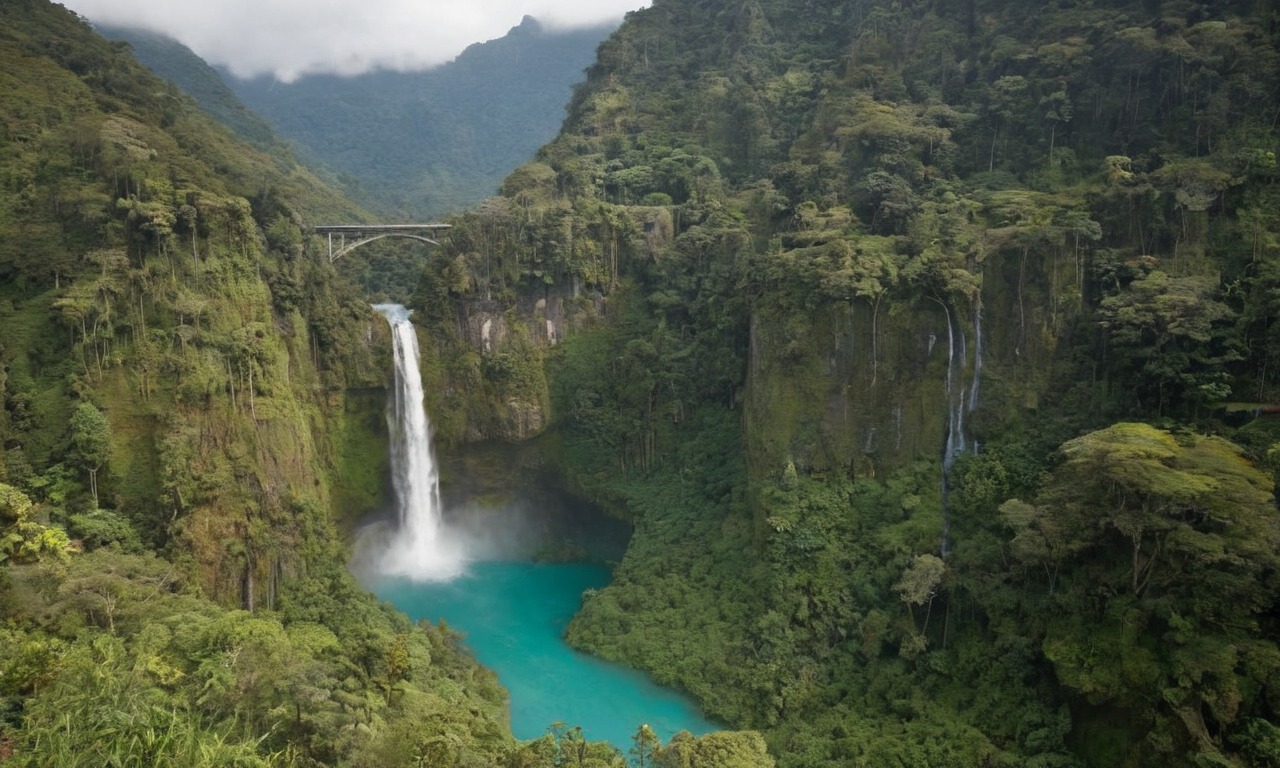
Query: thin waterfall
point(977, 356)
point(955, 390)
point(961, 401)
point(420, 549)
point(955, 426)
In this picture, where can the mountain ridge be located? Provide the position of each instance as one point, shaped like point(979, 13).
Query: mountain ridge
point(412, 144)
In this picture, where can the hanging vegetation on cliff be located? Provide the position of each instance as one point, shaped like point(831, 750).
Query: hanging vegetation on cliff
point(819, 253)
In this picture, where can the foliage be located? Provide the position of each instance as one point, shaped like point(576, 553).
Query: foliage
point(1169, 543)
point(174, 354)
point(23, 538)
point(900, 332)
point(113, 651)
point(91, 441)
point(843, 236)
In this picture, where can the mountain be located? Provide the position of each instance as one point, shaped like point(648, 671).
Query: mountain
point(176, 63)
point(909, 335)
point(413, 144)
point(928, 347)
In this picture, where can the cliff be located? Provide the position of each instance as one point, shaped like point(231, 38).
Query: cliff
point(846, 278)
point(192, 415)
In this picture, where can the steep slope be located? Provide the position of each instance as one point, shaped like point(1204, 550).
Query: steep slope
point(192, 408)
point(181, 380)
point(429, 143)
point(178, 64)
point(155, 263)
point(840, 303)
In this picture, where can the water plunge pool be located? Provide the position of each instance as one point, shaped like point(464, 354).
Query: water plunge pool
point(513, 612)
point(513, 616)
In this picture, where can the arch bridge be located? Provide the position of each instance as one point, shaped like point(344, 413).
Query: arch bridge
point(362, 234)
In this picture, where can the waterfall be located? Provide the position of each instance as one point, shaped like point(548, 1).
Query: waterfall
point(961, 401)
point(955, 391)
point(977, 355)
point(420, 549)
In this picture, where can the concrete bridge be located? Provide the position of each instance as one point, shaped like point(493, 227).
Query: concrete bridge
point(362, 234)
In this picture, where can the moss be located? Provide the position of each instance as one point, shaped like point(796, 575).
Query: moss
point(822, 394)
point(38, 370)
point(135, 462)
point(358, 436)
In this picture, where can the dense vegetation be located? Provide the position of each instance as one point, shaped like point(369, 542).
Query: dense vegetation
point(176, 63)
point(184, 428)
point(930, 347)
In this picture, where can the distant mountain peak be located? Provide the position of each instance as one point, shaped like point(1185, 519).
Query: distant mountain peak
point(444, 138)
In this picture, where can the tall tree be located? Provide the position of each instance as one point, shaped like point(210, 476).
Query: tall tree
point(91, 439)
point(1175, 540)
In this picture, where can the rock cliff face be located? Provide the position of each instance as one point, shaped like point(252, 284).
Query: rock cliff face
point(826, 395)
point(487, 361)
point(840, 246)
point(865, 387)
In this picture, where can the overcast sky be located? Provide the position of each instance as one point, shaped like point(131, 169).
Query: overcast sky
point(296, 37)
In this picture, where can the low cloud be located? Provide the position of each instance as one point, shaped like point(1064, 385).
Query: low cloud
point(291, 38)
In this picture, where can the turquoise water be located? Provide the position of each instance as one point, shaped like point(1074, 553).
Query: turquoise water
point(514, 615)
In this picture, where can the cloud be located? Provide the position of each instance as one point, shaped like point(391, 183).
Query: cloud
point(290, 38)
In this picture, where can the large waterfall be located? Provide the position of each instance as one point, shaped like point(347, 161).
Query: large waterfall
point(420, 549)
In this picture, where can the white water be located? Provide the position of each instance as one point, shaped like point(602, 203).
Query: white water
point(977, 355)
point(421, 549)
point(957, 405)
point(955, 391)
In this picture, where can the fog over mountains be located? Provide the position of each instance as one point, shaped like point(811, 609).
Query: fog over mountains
point(409, 144)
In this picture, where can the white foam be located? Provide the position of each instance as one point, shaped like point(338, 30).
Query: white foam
point(422, 548)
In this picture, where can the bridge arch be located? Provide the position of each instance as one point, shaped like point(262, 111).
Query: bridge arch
point(363, 234)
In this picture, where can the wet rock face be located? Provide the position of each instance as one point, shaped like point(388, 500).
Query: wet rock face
point(485, 330)
point(525, 419)
point(503, 395)
point(544, 315)
point(833, 392)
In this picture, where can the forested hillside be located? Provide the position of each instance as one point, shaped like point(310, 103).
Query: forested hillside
point(927, 345)
point(178, 64)
point(191, 409)
point(411, 144)
point(930, 348)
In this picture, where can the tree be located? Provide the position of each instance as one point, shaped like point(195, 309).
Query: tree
point(1040, 537)
point(1194, 502)
point(91, 439)
point(397, 665)
point(919, 584)
point(1174, 542)
point(722, 749)
point(1172, 332)
point(572, 750)
point(644, 745)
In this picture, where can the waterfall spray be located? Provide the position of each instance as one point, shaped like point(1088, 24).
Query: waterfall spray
point(420, 550)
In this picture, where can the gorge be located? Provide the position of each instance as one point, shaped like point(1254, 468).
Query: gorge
point(513, 613)
point(785, 266)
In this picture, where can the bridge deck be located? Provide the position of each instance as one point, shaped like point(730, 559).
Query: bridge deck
point(354, 229)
